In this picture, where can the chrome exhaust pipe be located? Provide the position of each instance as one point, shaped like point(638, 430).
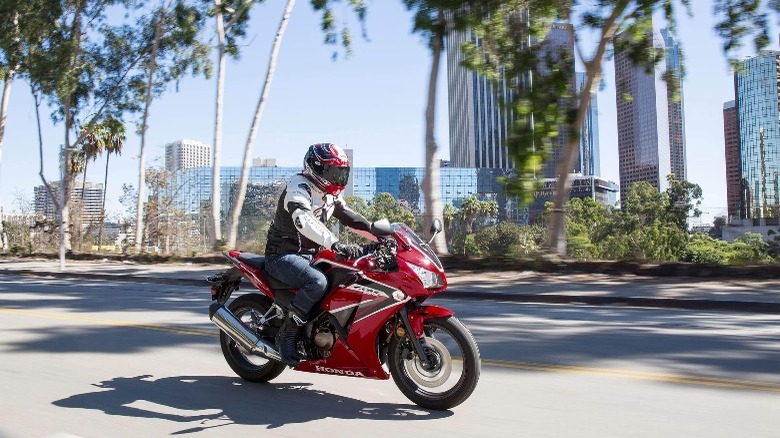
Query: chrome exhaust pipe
point(237, 331)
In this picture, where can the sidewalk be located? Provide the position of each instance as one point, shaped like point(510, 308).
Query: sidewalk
point(679, 292)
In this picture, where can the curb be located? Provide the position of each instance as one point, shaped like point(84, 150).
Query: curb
point(663, 303)
point(503, 264)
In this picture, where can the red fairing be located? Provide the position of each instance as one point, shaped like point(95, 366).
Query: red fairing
point(372, 311)
point(418, 316)
point(253, 275)
point(408, 253)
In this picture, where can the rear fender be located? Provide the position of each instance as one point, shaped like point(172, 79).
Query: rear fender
point(418, 316)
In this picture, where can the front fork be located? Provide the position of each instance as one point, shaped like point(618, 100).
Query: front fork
point(414, 324)
point(413, 338)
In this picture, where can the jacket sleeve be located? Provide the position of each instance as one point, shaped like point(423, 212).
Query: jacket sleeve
point(349, 217)
point(298, 204)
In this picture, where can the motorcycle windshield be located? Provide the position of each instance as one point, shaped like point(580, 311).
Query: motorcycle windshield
point(419, 244)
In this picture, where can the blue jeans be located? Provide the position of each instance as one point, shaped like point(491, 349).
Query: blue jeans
point(295, 271)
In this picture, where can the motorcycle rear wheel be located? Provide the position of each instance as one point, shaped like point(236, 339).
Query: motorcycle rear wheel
point(453, 350)
point(250, 366)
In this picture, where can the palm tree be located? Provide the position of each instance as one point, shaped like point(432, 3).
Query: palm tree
point(107, 136)
point(91, 146)
point(113, 132)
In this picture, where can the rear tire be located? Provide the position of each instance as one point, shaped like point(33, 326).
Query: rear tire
point(418, 384)
point(250, 366)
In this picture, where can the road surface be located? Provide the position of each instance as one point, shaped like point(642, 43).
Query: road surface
point(122, 359)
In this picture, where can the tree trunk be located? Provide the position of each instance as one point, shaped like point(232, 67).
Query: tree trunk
point(65, 193)
point(216, 202)
point(40, 152)
point(3, 113)
point(75, 32)
point(238, 202)
point(82, 207)
point(103, 207)
point(556, 239)
point(431, 181)
point(152, 67)
point(9, 76)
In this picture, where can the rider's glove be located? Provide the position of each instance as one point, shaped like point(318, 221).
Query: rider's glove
point(347, 251)
point(371, 247)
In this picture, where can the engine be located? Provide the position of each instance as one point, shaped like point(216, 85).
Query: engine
point(323, 338)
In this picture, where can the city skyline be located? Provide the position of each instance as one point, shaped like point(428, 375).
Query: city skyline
point(192, 187)
point(387, 134)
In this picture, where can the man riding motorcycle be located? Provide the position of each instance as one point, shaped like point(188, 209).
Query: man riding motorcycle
point(299, 231)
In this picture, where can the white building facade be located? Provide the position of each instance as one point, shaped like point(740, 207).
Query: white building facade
point(186, 154)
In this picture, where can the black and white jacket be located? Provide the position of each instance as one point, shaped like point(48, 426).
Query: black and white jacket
point(301, 214)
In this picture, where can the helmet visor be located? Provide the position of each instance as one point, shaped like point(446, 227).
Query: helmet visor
point(337, 175)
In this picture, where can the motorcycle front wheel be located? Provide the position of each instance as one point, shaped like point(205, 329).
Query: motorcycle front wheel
point(454, 365)
point(249, 308)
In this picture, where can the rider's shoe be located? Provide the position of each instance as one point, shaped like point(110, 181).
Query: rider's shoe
point(286, 340)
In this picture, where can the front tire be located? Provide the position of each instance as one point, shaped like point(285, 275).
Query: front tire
point(455, 361)
point(250, 366)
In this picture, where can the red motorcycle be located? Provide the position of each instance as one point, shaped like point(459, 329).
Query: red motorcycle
point(371, 324)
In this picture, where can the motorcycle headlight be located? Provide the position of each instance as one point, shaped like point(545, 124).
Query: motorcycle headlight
point(430, 280)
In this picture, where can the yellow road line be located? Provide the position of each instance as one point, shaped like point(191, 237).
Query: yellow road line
point(530, 366)
point(111, 322)
point(636, 375)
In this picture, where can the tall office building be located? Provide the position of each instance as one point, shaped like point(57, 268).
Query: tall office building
point(558, 47)
point(731, 136)
point(643, 122)
point(185, 154)
point(676, 106)
point(590, 154)
point(479, 126)
point(757, 90)
point(91, 193)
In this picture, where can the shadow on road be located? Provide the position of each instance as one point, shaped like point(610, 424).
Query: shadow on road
point(108, 339)
point(87, 296)
point(214, 401)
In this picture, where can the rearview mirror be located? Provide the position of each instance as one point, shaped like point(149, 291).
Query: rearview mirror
point(435, 229)
point(436, 226)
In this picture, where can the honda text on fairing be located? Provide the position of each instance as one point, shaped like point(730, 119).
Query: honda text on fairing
point(372, 323)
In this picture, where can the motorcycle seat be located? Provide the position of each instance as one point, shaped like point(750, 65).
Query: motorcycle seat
point(258, 262)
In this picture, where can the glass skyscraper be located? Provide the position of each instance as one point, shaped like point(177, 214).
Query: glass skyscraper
point(676, 107)
point(731, 140)
point(643, 122)
point(757, 90)
point(479, 126)
point(590, 154)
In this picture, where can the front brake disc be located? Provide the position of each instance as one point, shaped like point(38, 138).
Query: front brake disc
point(431, 378)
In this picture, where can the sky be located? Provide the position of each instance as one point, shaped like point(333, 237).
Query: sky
point(372, 102)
